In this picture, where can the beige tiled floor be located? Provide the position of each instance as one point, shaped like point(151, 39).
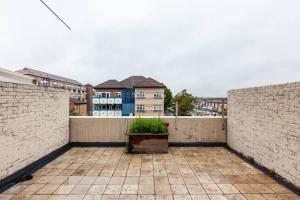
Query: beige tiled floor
point(182, 174)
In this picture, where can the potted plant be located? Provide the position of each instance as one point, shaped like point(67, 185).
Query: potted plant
point(148, 135)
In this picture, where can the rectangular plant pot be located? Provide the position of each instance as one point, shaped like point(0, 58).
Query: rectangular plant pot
point(148, 143)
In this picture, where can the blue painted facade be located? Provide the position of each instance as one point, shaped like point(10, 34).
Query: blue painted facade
point(127, 102)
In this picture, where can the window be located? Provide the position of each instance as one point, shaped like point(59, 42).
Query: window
point(157, 95)
point(103, 94)
point(140, 107)
point(118, 94)
point(157, 107)
point(118, 107)
point(140, 95)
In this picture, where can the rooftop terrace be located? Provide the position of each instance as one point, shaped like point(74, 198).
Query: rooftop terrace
point(183, 173)
point(253, 154)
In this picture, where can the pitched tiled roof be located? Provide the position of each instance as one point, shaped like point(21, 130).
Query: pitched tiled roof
point(36, 73)
point(149, 82)
point(110, 84)
point(131, 81)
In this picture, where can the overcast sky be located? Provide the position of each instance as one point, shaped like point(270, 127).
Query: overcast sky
point(204, 46)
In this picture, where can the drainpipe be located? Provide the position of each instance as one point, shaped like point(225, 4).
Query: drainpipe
point(89, 99)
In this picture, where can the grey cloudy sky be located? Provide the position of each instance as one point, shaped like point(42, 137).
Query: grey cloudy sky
point(204, 46)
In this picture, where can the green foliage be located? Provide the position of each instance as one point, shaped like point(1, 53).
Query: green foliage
point(168, 100)
point(147, 125)
point(186, 103)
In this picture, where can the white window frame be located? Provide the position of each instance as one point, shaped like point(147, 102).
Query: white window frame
point(140, 107)
point(157, 95)
point(140, 95)
point(106, 94)
point(157, 107)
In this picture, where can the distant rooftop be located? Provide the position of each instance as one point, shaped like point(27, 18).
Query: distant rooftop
point(110, 84)
point(131, 82)
point(36, 73)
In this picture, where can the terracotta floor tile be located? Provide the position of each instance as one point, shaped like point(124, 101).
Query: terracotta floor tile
point(88, 180)
point(39, 197)
point(146, 180)
point(205, 179)
point(228, 188)
point(117, 180)
point(281, 196)
point(161, 180)
point(48, 189)
point(163, 197)
point(92, 197)
point(162, 189)
point(110, 197)
point(182, 197)
point(212, 189)
point(96, 189)
point(199, 197)
point(146, 197)
point(113, 189)
point(64, 189)
point(80, 189)
point(179, 189)
point(235, 197)
point(245, 188)
point(128, 197)
point(102, 180)
point(254, 197)
point(146, 189)
point(74, 197)
point(131, 180)
point(120, 172)
point(277, 188)
point(195, 189)
point(31, 189)
point(218, 197)
point(129, 189)
point(133, 172)
point(58, 197)
point(190, 173)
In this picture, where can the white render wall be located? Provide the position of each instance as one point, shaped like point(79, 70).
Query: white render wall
point(34, 121)
point(114, 129)
point(264, 123)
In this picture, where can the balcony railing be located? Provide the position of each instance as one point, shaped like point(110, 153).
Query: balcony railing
point(107, 112)
point(107, 100)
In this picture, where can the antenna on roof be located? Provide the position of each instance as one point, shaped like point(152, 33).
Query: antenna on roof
point(55, 14)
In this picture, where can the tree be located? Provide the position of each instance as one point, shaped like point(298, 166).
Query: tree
point(186, 103)
point(168, 101)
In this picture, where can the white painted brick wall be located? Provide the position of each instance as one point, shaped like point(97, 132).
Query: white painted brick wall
point(264, 123)
point(34, 121)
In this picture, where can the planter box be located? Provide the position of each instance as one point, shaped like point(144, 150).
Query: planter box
point(148, 143)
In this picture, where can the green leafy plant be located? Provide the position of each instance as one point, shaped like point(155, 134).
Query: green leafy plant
point(148, 125)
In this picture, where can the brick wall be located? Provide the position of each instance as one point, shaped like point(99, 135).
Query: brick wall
point(33, 122)
point(264, 123)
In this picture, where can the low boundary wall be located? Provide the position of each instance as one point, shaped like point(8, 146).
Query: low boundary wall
point(183, 130)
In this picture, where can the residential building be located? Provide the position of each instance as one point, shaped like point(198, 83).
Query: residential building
point(78, 107)
point(212, 104)
point(135, 95)
point(14, 77)
point(108, 99)
point(76, 89)
point(149, 97)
